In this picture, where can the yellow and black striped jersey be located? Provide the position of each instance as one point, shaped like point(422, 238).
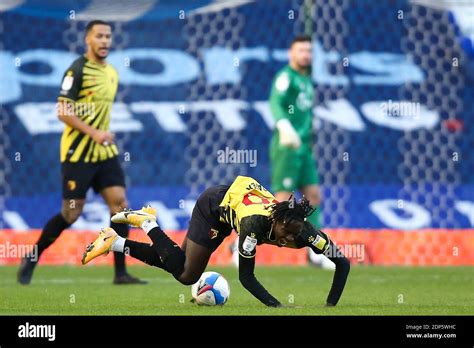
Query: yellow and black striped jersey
point(245, 197)
point(245, 207)
point(90, 89)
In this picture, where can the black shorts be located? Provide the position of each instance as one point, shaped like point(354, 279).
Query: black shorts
point(78, 177)
point(205, 228)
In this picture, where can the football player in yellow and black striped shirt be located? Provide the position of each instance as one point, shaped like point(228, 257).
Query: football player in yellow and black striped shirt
point(246, 207)
point(88, 153)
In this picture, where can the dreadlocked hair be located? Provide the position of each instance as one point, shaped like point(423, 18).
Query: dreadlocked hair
point(291, 210)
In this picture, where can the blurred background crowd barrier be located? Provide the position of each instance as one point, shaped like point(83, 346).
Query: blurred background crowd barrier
point(392, 120)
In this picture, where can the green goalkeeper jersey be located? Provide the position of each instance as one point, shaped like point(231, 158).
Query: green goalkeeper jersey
point(292, 98)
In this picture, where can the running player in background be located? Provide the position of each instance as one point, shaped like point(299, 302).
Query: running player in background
point(291, 102)
point(246, 207)
point(89, 157)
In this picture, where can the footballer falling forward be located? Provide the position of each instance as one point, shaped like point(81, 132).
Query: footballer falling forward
point(246, 207)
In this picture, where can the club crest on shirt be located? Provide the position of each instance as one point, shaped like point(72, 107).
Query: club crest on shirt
point(213, 233)
point(71, 185)
point(67, 82)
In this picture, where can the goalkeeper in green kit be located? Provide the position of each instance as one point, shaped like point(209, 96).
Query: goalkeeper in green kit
point(291, 103)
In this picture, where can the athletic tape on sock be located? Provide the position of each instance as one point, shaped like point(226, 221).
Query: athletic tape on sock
point(148, 225)
point(118, 244)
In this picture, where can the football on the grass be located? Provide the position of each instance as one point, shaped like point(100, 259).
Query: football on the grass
point(212, 289)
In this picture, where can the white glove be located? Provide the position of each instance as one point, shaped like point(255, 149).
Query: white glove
point(288, 135)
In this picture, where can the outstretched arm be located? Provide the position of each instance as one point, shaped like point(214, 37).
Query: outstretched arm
point(320, 243)
point(340, 275)
point(249, 282)
point(247, 250)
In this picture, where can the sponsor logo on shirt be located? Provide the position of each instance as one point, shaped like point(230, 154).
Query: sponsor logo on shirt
point(249, 245)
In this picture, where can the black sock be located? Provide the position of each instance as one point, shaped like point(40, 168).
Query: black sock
point(143, 252)
point(169, 252)
point(119, 258)
point(51, 232)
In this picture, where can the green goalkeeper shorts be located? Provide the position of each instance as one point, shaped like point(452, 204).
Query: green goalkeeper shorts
point(292, 169)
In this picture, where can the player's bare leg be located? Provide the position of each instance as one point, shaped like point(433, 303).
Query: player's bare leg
point(71, 209)
point(116, 200)
point(197, 258)
point(312, 193)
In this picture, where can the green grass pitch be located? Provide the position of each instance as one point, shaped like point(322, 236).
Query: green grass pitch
point(373, 290)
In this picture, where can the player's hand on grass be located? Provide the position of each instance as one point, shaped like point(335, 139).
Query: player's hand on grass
point(273, 304)
point(103, 137)
point(280, 305)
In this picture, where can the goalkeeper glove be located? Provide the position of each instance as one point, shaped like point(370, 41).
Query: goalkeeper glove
point(288, 135)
